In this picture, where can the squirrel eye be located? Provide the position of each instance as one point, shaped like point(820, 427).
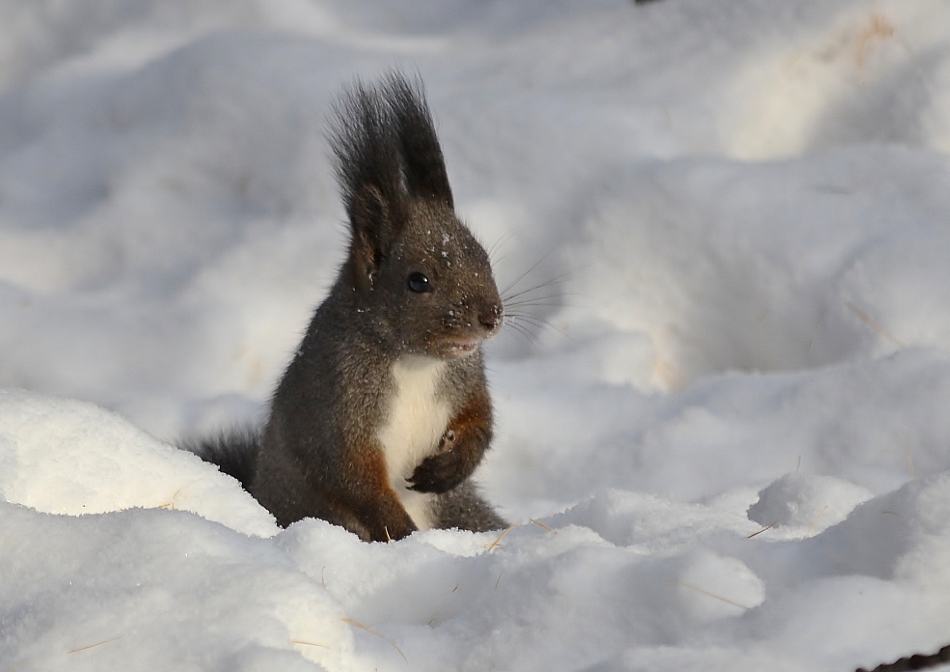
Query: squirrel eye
point(419, 283)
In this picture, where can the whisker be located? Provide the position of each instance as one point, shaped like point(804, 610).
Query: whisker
point(527, 317)
point(551, 282)
point(534, 320)
point(526, 294)
point(556, 295)
point(526, 333)
point(541, 303)
point(497, 245)
point(539, 322)
point(521, 277)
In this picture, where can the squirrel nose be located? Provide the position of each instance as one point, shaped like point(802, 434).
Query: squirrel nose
point(491, 318)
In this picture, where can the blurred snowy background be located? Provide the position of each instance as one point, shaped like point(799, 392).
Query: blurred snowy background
point(732, 222)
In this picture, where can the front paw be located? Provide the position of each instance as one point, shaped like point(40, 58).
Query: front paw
point(440, 472)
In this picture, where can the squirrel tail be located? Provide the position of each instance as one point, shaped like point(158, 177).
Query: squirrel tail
point(233, 452)
point(464, 509)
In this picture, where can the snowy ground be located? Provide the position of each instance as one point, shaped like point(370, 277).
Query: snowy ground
point(729, 447)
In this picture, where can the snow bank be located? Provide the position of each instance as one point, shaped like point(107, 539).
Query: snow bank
point(722, 394)
point(70, 457)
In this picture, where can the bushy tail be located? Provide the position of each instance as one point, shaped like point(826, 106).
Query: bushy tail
point(464, 509)
point(233, 452)
point(918, 661)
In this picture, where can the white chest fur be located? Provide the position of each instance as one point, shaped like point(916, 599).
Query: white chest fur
point(415, 423)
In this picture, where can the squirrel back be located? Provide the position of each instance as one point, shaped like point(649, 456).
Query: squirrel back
point(384, 411)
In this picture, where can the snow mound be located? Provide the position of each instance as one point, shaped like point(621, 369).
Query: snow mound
point(713, 587)
point(70, 457)
point(904, 534)
point(157, 589)
point(813, 502)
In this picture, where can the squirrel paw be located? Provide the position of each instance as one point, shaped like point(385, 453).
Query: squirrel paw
point(442, 471)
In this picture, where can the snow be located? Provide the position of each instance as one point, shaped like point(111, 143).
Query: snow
point(721, 394)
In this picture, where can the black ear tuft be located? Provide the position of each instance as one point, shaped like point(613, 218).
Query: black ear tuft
point(386, 153)
point(422, 157)
point(383, 137)
point(368, 165)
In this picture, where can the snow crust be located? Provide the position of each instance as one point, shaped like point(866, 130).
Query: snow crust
point(723, 393)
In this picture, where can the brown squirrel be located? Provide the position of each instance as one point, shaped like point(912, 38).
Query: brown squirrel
point(384, 411)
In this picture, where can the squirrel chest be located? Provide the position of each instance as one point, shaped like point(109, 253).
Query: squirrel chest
point(412, 428)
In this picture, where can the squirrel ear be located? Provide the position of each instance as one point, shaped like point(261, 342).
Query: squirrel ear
point(372, 232)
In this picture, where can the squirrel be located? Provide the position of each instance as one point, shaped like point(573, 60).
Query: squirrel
point(384, 411)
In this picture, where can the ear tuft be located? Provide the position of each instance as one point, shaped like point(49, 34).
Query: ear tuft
point(387, 153)
point(422, 157)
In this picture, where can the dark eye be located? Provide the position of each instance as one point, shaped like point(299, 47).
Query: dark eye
point(419, 283)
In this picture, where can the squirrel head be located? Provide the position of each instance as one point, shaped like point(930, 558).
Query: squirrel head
point(413, 268)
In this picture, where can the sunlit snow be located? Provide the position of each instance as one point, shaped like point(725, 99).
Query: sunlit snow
point(723, 395)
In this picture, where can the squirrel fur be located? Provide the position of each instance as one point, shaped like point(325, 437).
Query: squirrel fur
point(384, 411)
